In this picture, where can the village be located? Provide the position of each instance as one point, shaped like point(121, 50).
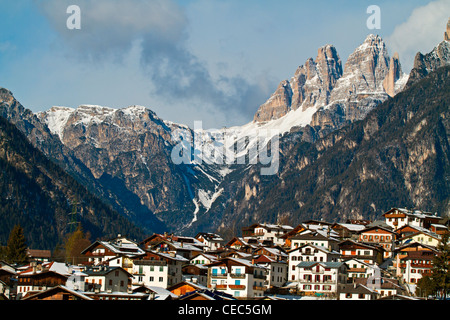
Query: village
point(355, 260)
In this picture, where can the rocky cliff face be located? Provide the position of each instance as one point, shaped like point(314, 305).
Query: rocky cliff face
point(310, 86)
point(399, 153)
point(426, 63)
point(129, 152)
point(340, 95)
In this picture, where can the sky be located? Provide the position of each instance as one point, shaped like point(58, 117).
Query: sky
point(214, 61)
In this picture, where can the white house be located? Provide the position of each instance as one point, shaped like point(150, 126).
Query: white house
point(106, 279)
point(277, 270)
point(203, 258)
point(271, 232)
point(237, 277)
point(399, 217)
point(212, 241)
point(321, 278)
point(309, 252)
point(158, 269)
point(359, 269)
point(316, 238)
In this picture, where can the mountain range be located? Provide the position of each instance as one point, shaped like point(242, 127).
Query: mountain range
point(354, 140)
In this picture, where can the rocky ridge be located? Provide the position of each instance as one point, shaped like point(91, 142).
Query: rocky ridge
point(338, 94)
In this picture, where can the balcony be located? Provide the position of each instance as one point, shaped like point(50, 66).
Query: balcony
point(237, 275)
point(259, 288)
point(221, 286)
point(219, 275)
point(236, 286)
point(259, 276)
point(312, 282)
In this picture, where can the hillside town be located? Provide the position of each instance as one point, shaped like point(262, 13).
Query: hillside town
point(355, 260)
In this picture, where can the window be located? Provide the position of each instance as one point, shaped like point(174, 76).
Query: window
point(161, 279)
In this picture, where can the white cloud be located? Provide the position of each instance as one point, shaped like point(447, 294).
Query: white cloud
point(174, 75)
point(421, 32)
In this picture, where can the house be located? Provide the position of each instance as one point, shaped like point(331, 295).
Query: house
point(383, 286)
point(185, 249)
point(347, 230)
point(196, 273)
point(277, 270)
point(379, 235)
point(206, 295)
point(356, 292)
point(439, 229)
point(183, 287)
point(39, 255)
point(7, 280)
point(309, 252)
point(370, 254)
point(321, 278)
point(155, 293)
point(271, 232)
point(77, 278)
point(415, 265)
point(104, 252)
point(159, 269)
point(203, 258)
point(275, 253)
point(212, 241)
point(316, 238)
point(399, 217)
point(409, 249)
point(237, 277)
point(106, 279)
point(59, 292)
point(423, 236)
point(288, 235)
point(241, 244)
point(39, 277)
point(360, 269)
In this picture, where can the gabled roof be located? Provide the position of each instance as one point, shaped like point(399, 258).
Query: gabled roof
point(357, 289)
point(160, 293)
point(191, 284)
point(320, 248)
point(126, 249)
point(55, 267)
point(414, 212)
point(416, 244)
point(207, 295)
point(56, 289)
point(424, 231)
point(387, 229)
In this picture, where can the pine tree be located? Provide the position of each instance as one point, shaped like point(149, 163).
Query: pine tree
point(16, 250)
point(441, 267)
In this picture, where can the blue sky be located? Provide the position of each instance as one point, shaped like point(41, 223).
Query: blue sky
point(215, 60)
